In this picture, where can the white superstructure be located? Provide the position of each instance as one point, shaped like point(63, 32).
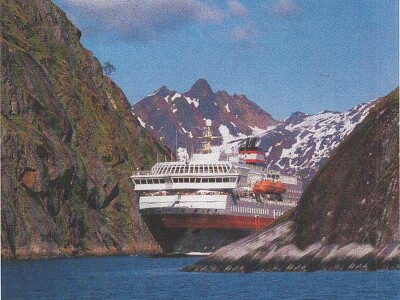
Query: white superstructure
point(206, 180)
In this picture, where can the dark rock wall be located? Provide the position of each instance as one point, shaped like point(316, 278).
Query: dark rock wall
point(355, 197)
point(348, 216)
point(68, 144)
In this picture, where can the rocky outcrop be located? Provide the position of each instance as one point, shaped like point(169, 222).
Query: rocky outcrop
point(69, 144)
point(348, 216)
point(178, 119)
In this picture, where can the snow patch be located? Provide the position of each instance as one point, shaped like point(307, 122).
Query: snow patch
point(189, 133)
point(257, 131)
point(227, 137)
point(143, 124)
point(193, 101)
point(176, 95)
point(227, 107)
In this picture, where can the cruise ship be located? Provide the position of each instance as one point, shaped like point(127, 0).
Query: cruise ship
point(224, 195)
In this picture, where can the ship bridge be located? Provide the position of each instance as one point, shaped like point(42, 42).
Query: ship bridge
point(195, 167)
point(194, 175)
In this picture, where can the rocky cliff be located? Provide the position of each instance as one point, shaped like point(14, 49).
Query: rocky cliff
point(348, 216)
point(69, 144)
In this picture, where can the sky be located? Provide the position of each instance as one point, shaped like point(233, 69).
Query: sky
point(285, 55)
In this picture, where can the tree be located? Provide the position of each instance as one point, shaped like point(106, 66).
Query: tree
point(108, 68)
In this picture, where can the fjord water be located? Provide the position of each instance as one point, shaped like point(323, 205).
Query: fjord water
point(140, 277)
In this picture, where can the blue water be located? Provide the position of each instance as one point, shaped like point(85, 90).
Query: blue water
point(138, 277)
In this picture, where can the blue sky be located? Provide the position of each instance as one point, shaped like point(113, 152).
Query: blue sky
point(285, 55)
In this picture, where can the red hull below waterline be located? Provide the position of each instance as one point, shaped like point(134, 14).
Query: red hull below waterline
point(214, 221)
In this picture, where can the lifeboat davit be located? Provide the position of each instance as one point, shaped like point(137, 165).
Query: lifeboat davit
point(269, 187)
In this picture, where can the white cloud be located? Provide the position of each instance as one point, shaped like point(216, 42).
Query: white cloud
point(237, 9)
point(144, 20)
point(246, 31)
point(284, 8)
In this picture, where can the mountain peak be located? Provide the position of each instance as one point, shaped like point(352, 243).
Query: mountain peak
point(162, 91)
point(201, 90)
point(296, 117)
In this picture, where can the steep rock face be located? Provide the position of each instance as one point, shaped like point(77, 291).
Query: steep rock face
point(69, 144)
point(178, 118)
point(347, 218)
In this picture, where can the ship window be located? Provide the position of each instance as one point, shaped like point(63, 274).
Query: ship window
point(218, 179)
point(186, 179)
point(175, 180)
point(192, 179)
point(198, 179)
point(162, 180)
point(225, 179)
point(137, 181)
point(212, 179)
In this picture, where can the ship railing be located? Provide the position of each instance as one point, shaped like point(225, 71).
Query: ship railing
point(142, 173)
point(290, 203)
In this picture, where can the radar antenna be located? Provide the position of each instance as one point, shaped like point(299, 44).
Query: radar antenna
point(208, 137)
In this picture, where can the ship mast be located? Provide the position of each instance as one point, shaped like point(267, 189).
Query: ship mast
point(208, 137)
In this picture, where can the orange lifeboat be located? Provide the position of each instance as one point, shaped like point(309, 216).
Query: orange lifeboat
point(280, 187)
point(264, 186)
point(269, 187)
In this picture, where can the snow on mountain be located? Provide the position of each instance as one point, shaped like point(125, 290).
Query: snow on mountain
point(298, 145)
point(303, 142)
point(178, 118)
